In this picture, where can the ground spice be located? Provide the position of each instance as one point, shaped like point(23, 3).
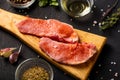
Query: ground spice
point(35, 73)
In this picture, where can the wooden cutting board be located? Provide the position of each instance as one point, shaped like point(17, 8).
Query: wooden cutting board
point(81, 72)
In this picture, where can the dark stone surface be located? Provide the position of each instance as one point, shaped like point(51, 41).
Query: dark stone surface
point(107, 65)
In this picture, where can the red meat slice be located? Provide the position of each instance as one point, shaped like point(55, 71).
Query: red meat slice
point(67, 53)
point(48, 28)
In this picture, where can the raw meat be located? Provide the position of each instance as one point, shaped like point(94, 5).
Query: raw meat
point(51, 28)
point(67, 53)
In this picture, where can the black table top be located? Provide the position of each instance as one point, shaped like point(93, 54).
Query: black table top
point(107, 65)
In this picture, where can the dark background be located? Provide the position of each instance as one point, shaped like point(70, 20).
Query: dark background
point(107, 65)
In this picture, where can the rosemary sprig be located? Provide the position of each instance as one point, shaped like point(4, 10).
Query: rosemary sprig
point(110, 21)
point(109, 10)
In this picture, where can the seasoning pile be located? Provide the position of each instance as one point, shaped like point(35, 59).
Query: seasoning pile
point(35, 73)
point(34, 69)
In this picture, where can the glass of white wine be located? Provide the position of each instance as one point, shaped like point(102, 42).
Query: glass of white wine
point(77, 8)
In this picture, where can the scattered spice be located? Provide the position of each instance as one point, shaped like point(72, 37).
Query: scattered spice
point(35, 73)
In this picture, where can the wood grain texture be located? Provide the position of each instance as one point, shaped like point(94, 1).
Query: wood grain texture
point(81, 72)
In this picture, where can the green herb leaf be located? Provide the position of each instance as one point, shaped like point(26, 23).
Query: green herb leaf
point(43, 3)
point(53, 3)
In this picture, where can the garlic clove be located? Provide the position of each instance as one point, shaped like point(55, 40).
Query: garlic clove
point(6, 52)
point(13, 57)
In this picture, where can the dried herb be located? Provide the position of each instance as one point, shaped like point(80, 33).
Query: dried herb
point(110, 21)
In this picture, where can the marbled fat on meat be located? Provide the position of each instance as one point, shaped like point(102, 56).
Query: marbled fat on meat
point(67, 53)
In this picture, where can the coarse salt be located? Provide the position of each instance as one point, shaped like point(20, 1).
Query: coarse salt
point(88, 29)
point(70, 19)
point(118, 30)
point(110, 70)
point(101, 10)
point(94, 6)
point(45, 17)
point(93, 25)
point(108, 6)
point(103, 14)
point(112, 79)
point(25, 12)
point(92, 11)
point(101, 78)
point(116, 74)
point(113, 63)
point(99, 23)
point(95, 22)
point(96, 72)
point(99, 65)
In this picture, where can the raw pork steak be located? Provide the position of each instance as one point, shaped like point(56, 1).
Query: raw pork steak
point(67, 53)
point(48, 28)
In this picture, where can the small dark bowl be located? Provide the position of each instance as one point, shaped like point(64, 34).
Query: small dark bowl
point(30, 63)
point(24, 5)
